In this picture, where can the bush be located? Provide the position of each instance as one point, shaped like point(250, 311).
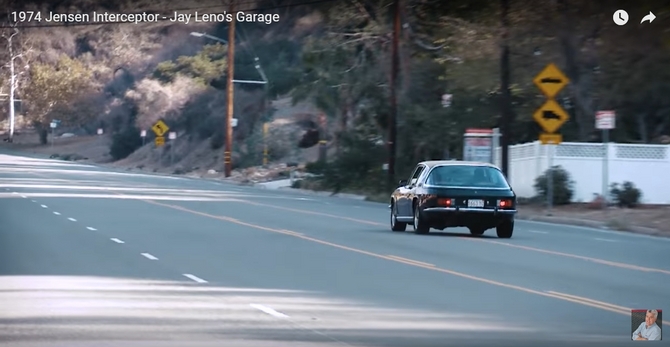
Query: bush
point(217, 140)
point(125, 143)
point(563, 186)
point(317, 167)
point(627, 195)
point(358, 166)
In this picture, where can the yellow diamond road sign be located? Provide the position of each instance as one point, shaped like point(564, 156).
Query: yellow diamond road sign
point(551, 80)
point(550, 116)
point(160, 128)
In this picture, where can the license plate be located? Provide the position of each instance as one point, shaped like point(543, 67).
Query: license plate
point(476, 203)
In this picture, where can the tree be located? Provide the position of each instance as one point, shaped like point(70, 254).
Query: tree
point(53, 90)
point(345, 70)
point(205, 67)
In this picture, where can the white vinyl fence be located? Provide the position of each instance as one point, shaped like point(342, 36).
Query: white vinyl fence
point(646, 166)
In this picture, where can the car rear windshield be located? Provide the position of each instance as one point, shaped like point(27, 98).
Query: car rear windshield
point(467, 176)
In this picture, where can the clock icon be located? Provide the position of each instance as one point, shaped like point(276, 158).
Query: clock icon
point(620, 17)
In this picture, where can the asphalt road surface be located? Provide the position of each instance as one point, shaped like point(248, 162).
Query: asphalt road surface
point(90, 256)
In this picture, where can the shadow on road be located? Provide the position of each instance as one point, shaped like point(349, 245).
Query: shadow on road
point(48, 308)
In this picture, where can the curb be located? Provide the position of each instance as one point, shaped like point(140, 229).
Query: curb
point(593, 224)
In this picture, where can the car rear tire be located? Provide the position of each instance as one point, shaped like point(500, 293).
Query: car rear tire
point(420, 226)
point(395, 225)
point(477, 231)
point(505, 230)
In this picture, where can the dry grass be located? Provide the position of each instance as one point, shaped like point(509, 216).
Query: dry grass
point(647, 216)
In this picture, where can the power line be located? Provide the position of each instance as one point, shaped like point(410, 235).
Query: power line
point(160, 19)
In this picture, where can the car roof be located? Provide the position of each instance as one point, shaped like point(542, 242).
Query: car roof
point(433, 163)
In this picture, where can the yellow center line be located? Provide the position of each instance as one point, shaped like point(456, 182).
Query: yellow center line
point(551, 294)
point(410, 260)
point(577, 300)
point(623, 309)
point(528, 248)
point(314, 213)
point(617, 307)
point(595, 260)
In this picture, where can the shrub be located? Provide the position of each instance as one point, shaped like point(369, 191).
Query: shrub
point(317, 167)
point(217, 140)
point(563, 186)
point(626, 196)
point(125, 143)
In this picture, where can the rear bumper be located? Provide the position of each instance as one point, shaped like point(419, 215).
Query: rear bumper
point(475, 217)
point(478, 211)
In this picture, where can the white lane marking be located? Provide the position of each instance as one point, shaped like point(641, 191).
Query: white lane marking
point(149, 256)
point(538, 232)
point(57, 213)
point(606, 240)
point(195, 278)
point(15, 193)
point(33, 200)
point(44, 206)
point(91, 229)
point(23, 196)
point(268, 310)
point(116, 240)
point(72, 219)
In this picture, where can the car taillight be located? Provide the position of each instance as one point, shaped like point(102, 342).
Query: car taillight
point(506, 203)
point(445, 202)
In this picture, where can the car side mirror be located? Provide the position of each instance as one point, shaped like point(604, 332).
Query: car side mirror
point(402, 183)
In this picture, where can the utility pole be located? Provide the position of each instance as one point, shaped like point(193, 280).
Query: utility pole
point(227, 157)
point(394, 88)
point(505, 102)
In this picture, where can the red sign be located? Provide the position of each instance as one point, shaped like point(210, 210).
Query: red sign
point(605, 120)
point(478, 131)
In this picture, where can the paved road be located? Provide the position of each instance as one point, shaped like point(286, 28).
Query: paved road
point(89, 255)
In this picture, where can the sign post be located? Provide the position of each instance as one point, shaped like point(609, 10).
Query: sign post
point(265, 143)
point(53, 125)
point(478, 145)
point(160, 128)
point(172, 136)
point(605, 121)
point(143, 135)
point(495, 145)
point(551, 117)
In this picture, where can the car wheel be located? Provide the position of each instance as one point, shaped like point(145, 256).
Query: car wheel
point(420, 226)
point(506, 229)
point(477, 231)
point(395, 225)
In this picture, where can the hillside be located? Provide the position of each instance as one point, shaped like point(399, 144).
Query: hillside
point(130, 88)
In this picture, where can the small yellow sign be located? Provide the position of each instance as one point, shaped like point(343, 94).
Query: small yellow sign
point(551, 116)
point(159, 141)
point(551, 139)
point(551, 80)
point(160, 128)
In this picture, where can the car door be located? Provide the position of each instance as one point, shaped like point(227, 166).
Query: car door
point(406, 192)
